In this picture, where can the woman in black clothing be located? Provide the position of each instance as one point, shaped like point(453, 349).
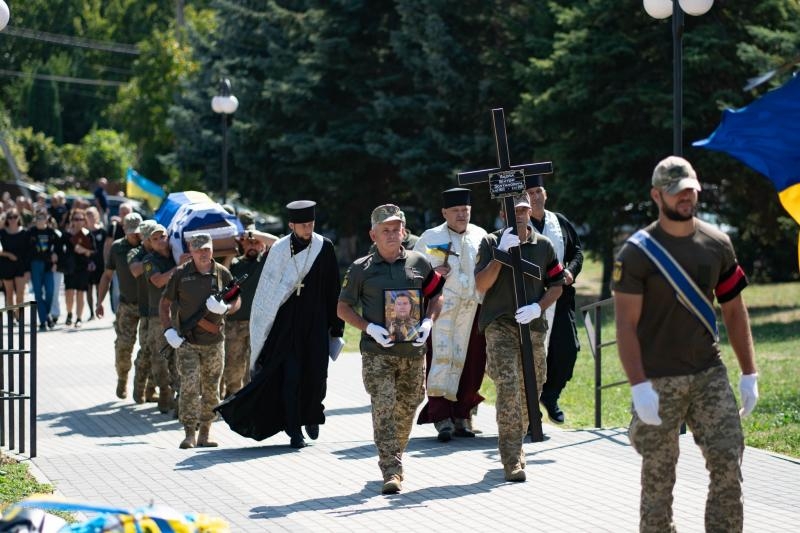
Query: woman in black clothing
point(96, 262)
point(14, 258)
point(76, 275)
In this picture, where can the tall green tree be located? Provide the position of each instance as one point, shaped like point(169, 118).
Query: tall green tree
point(601, 104)
point(356, 103)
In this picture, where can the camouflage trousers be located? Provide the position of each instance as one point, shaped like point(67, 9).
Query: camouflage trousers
point(236, 373)
point(396, 386)
point(504, 366)
point(706, 403)
point(125, 324)
point(200, 368)
point(147, 366)
point(162, 361)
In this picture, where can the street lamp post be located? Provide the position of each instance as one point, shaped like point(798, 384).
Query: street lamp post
point(225, 104)
point(662, 9)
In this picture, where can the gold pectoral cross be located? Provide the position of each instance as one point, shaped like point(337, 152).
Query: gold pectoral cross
point(299, 285)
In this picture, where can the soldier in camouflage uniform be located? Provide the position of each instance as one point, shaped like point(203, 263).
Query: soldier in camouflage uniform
point(671, 355)
point(393, 374)
point(127, 317)
point(499, 319)
point(237, 325)
point(144, 384)
point(159, 266)
point(196, 333)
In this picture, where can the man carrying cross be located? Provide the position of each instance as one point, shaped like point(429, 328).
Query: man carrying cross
point(500, 318)
point(293, 325)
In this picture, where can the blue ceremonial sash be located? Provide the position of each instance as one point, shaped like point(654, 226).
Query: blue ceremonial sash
point(687, 292)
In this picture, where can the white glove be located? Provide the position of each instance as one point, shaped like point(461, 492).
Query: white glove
point(526, 313)
point(507, 240)
point(645, 402)
point(215, 306)
point(380, 335)
point(748, 390)
point(424, 331)
point(173, 338)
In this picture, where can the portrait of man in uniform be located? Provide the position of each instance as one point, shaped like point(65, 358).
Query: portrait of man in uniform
point(402, 314)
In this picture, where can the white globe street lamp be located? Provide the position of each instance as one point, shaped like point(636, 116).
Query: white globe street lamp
point(225, 104)
point(5, 14)
point(662, 9)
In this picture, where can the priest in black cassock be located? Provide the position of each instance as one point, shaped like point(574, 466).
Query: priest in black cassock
point(293, 330)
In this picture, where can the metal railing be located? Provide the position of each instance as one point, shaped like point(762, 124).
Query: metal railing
point(18, 377)
point(592, 320)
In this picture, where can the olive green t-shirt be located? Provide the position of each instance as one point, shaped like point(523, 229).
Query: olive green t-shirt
point(118, 262)
point(155, 263)
point(136, 255)
point(499, 300)
point(240, 266)
point(673, 340)
point(189, 290)
point(366, 281)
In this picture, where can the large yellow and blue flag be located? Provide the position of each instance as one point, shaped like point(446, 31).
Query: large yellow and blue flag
point(765, 136)
point(141, 188)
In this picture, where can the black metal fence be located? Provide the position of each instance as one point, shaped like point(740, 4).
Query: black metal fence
point(592, 320)
point(18, 378)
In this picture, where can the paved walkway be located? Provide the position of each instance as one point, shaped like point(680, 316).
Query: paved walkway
point(96, 448)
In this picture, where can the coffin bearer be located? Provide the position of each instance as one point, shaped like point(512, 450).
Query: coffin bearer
point(665, 278)
point(292, 328)
point(500, 318)
point(195, 331)
point(393, 373)
point(562, 335)
point(127, 317)
point(457, 359)
point(254, 245)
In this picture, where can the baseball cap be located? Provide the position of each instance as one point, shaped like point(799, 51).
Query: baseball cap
point(673, 174)
point(522, 200)
point(199, 240)
point(157, 228)
point(131, 223)
point(387, 213)
point(146, 228)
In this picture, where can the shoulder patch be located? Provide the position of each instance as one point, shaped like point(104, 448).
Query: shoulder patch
point(616, 274)
point(148, 267)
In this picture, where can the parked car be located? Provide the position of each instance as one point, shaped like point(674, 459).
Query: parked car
point(21, 188)
point(114, 202)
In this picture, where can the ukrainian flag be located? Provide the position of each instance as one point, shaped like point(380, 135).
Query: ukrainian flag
point(440, 250)
point(141, 188)
point(765, 136)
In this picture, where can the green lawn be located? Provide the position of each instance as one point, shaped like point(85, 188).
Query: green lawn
point(775, 317)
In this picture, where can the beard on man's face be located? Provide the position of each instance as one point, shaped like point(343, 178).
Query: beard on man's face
point(674, 214)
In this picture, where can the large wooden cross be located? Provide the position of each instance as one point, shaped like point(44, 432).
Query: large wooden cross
point(505, 182)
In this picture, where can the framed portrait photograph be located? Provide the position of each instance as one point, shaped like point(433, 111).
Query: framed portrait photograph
point(402, 313)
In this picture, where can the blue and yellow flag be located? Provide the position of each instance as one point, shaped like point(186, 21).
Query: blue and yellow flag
point(441, 250)
point(141, 188)
point(765, 136)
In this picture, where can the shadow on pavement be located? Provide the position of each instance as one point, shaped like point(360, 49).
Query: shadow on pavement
point(109, 419)
point(354, 504)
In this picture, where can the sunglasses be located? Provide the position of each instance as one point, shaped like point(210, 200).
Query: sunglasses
point(11, 217)
point(78, 219)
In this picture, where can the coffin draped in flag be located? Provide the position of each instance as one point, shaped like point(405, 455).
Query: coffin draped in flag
point(187, 213)
point(766, 137)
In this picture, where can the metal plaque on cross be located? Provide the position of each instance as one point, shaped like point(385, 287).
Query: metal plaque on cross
point(505, 181)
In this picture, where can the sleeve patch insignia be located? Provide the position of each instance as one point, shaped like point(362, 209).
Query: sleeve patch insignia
point(617, 272)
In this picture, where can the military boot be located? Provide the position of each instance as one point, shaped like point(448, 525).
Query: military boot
point(203, 439)
point(122, 388)
point(445, 428)
point(514, 472)
point(462, 428)
point(189, 441)
point(150, 395)
point(165, 400)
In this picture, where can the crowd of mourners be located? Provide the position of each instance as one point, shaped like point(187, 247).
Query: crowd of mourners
point(44, 245)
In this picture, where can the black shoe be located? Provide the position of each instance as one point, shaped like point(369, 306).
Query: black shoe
point(445, 435)
point(51, 323)
point(42, 327)
point(554, 412)
point(69, 319)
point(463, 432)
point(312, 430)
point(298, 442)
